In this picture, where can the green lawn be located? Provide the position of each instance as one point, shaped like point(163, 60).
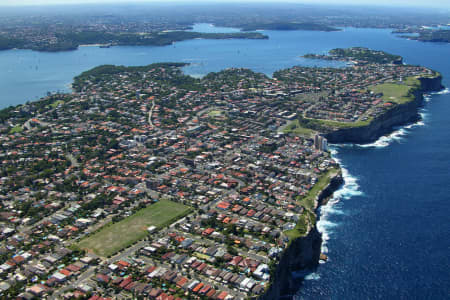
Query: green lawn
point(337, 124)
point(16, 129)
point(322, 125)
point(392, 92)
point(201, 256)
point(308, 201)
point(114, 237)
point(295, 128)
point(56, 103)
point(301, 228)
point(308, 216)
point(215, 113)
point(397, 92)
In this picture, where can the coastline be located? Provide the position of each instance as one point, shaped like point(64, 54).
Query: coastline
point(92, 45)
point(314, 236)
point(304, 252)
point(383, 124)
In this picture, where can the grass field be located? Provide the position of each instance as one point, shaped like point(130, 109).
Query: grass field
point(56, 103)
point(215, 113)
point(16, 129)
point(396, 92)
point(301, 228)
point(329, 123)
point(295, 128)
point(114, 237)
point(308, 201)
point(308, 216)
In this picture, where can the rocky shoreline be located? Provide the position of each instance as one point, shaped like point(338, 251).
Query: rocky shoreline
point(304, 252)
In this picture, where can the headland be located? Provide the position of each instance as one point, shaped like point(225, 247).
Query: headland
point(213, 182)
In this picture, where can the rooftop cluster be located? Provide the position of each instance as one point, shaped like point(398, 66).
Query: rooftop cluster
point(145, 181)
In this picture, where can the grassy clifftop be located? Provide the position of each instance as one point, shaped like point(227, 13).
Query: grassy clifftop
point(396, 93)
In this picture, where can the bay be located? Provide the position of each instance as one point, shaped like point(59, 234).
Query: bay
point(28, 75)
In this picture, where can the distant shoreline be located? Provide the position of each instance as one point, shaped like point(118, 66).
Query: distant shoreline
point(93, 45)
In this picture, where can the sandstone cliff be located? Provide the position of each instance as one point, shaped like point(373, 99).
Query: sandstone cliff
point(399, 115)
point(302, 253)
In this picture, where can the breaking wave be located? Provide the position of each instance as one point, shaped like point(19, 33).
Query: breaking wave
point(443, 92)
point(386, 140)
point(312, 276)
point(400, 132)
point(351, 187)
point(347, 191)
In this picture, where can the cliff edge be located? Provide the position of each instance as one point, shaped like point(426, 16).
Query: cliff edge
point(302, 253)
point(399, 115)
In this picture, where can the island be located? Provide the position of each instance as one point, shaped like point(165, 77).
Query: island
point(147, 182)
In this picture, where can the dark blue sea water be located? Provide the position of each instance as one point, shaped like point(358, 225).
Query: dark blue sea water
point(387, 231)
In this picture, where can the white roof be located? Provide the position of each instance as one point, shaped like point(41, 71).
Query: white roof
point(59, 276)
point(245, 282)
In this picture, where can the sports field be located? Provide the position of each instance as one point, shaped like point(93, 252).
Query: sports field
point(396, 92)
point(114, 237)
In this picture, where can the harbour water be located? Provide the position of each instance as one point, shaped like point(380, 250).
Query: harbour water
point(386, 232)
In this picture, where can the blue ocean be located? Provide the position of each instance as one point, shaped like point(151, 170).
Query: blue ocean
point(387, 230)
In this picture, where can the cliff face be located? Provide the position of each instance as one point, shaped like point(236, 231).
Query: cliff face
point(327, 192)
point(431, 84)
point(383, 124)
point(302, 253)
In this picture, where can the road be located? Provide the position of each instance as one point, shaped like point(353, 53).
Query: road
point(150, 113)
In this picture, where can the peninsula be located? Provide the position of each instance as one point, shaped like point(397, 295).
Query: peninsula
point(286, 26)
point(358, 55)
point(72, 40)
point(145, 181)
point(425, 34)
point(153, 24)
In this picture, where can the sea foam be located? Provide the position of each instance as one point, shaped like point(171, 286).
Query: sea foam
point(312, 276)
point(347, 191)
point(442, 92)
point(351, 187)
point(400, 132)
